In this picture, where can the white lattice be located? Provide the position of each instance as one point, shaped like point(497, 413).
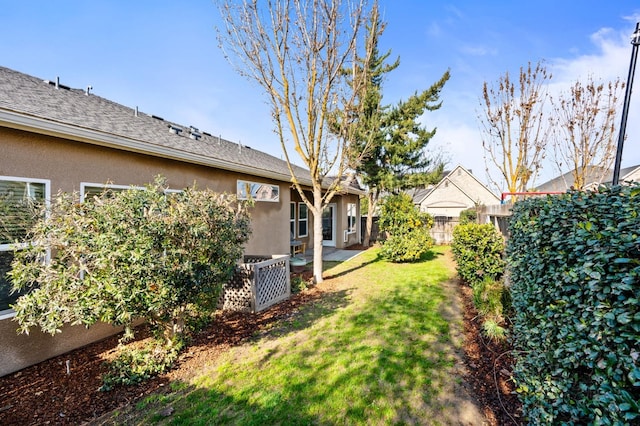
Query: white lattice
point(258, 283)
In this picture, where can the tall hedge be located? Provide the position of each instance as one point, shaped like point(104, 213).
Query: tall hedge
point(574, 263)
point(478, 251)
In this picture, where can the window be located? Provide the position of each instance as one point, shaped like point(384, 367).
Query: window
point(18, 198)
point(351, 218)
point(257, 191)
point(303, 220)
point(292, 219)
point(90, 190)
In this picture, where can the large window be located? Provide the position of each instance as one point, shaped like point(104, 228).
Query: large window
point(20, 198)
point(257, 191)
point(292, 219)
point(303, 220)
point(351, 218)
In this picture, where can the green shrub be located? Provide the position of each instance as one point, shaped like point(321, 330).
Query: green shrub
point(129, 255)
point(478, 251)
point(468, 216)
point(574, 263)
point(133, 366)
point(405, 229)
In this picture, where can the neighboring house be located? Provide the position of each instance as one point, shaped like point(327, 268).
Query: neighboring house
point(458, 190)
point(594, 177)
point(55, 138)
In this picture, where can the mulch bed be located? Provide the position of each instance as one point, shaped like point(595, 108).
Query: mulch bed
point(46, 394)
point(489, 364)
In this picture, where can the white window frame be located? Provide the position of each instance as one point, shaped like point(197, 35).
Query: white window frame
point(105, 186)
point(292, 219)
point(10, 313)
point(305, 220)
point(254, 187)
point(352, 227)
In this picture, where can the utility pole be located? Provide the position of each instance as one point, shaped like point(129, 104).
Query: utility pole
point(635, 41)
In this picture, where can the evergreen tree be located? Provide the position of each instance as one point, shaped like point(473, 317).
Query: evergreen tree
point(393, 140)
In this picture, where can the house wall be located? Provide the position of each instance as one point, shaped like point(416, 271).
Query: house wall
point(343, 238)
point(341, 202)
point(66, 164)
point(457, 192)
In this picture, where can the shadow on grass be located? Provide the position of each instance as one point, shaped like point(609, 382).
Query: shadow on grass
point(187, 404)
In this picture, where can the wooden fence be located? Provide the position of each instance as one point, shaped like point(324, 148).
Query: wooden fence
point(261, 281)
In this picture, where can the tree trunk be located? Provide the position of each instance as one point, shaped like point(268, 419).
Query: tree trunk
point(317, 235)
point(372, 203)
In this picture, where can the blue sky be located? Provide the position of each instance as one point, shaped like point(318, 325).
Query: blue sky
point(162, 56)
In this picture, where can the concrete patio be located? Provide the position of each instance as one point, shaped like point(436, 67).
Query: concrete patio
point(332, 254)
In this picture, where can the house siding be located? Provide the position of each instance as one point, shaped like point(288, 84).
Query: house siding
point(66, 164)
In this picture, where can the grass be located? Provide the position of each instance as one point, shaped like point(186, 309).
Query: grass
point(377, 350)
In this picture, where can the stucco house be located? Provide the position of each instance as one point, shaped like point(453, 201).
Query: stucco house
point(458, 190)
point(56, 138)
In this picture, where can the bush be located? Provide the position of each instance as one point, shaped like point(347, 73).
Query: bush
point(133, 366)
point(574, 263)
point(478, 251)
point(468, 216)
point(405, 228)
point(129, 255)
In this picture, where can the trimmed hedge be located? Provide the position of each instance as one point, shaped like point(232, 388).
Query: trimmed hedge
point(574, 264)
point(478, 251)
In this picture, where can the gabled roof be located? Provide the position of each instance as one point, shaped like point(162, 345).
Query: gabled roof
point(449, 177)
point(40, 106)
point(418, 194)
point(594, 175)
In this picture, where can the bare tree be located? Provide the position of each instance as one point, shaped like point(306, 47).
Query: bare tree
point(296, 50)
point(515, 132)
point(585, 131)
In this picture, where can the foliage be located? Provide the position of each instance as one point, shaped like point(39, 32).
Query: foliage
point(478, 251)
point(574, 262)
point(493, 330)
point(515, 127)
point(491, 299)
point(468, 216)
point(133, 366)
point(390, 141)
point(129, 255)
point(406, 228)
point(299, 284)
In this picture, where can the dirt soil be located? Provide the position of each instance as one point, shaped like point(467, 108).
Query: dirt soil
point(46, 394)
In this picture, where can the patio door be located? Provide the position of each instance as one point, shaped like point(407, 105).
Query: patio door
point(329, 226)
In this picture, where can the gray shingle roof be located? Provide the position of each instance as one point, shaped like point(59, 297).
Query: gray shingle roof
point(594, 175)
point(25, 96)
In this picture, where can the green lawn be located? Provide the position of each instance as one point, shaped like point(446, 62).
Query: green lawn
point(377, 349)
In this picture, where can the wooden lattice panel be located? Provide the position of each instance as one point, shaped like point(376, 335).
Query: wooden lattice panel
point(258, 283)
point(237, 294)
point(272, 282)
